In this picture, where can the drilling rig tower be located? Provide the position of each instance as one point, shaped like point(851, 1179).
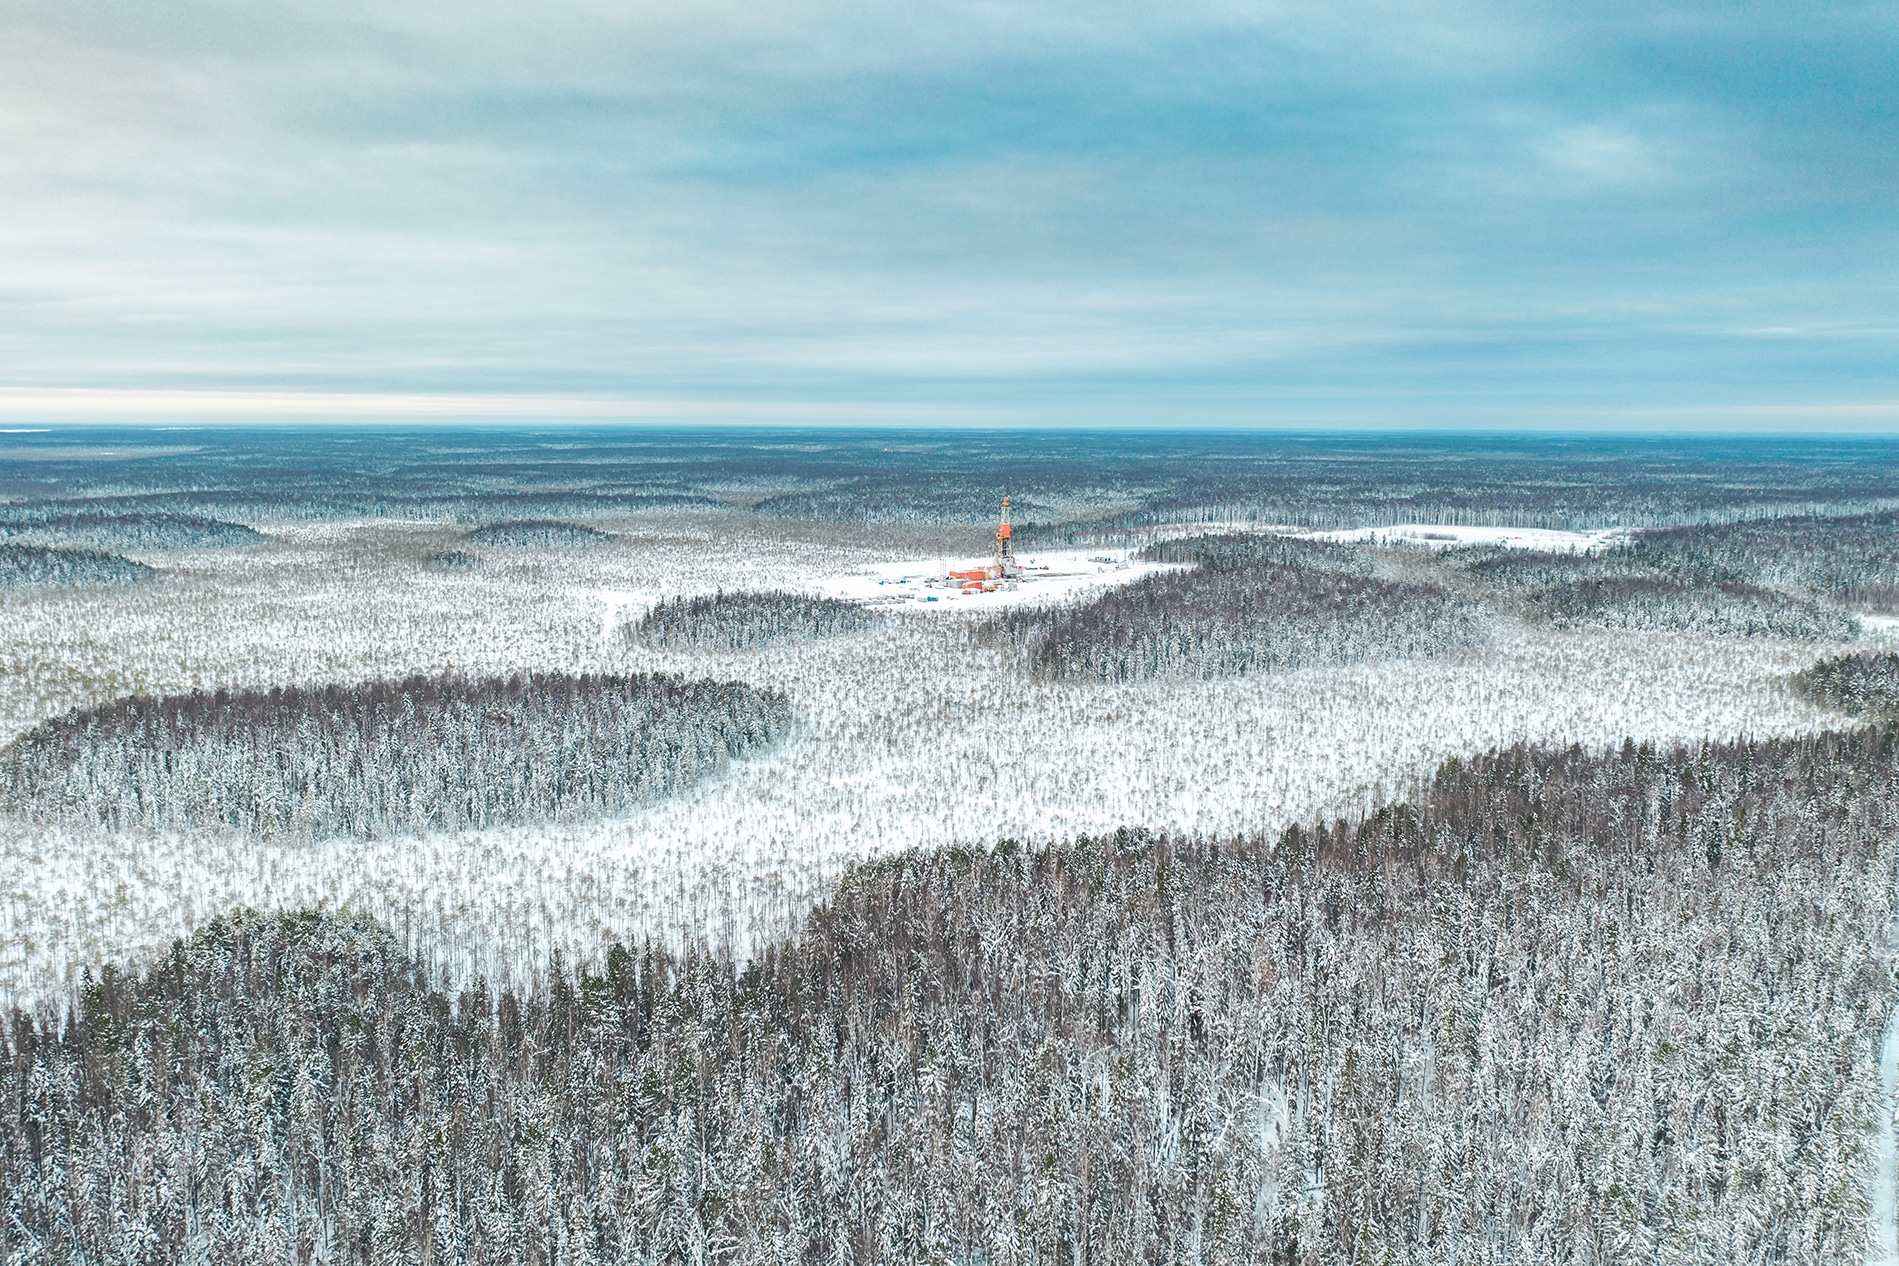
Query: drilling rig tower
point(1005, 566)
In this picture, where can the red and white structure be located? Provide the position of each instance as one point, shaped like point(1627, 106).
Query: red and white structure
point(1005, 568)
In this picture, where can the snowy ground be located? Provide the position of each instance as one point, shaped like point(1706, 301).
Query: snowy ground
point(924, 585)
point(908, 735)
point(1443, 536)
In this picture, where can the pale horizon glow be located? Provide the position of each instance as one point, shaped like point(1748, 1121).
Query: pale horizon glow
point(83, 406)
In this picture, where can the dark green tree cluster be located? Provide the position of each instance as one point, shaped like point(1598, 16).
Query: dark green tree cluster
point(40, 566)
point(735, 621)
point(1248, 604)
point(1851, 559)
point(1242, 550)
point(51, 523)
point(425, 753)
point(536, 533)
point(1564, 1008)
point(1723, 607)
point(1636, 587)
point(1866, 684)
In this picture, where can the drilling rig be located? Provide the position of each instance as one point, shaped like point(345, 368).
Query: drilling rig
point(1005, 565)
point(987, 579)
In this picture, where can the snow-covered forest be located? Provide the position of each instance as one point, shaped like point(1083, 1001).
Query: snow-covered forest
point(536, 791)
point(422, 754)
point(1243, 605)
point(546, 533)
point(27, 566)
point(1864, 684)
point(736, 621)
point(56, 524)
point(1643, 585)
point(1847, 558)
point(1561, 1007)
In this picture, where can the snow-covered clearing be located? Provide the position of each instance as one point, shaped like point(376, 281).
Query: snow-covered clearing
point(907, 736)
point(925, 586)
point(1446, 536)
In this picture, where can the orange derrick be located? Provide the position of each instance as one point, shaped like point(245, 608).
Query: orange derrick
point(1005, 567)
point(1005, 564)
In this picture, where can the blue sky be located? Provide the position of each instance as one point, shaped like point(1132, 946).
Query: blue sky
point(1429, 214)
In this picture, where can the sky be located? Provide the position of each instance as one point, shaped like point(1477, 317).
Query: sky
point(1435, 214)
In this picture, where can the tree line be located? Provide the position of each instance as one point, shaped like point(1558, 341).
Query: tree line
point(52, 523)
point(1724, 608)
point(536, 533)
point(1851, 559)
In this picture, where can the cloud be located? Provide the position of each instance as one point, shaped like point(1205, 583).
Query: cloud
point(1180, 209)
point(1603, 155)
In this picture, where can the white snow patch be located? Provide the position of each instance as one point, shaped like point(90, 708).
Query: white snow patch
point(617, 604)
point(1052, 576)
point(1446, 536)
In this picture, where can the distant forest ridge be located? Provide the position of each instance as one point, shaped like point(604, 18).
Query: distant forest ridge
point(1066, 485)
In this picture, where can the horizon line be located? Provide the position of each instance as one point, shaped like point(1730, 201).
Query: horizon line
point(48, 409)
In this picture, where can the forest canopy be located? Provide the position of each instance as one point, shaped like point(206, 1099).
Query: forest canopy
point(424, 753)
point(526, 533)
point(735, 621)
point(55, 524)
point(1865, 684)
point(1637, 586)
point(1242, 605)
point(1564, 1008)
point(39, 566)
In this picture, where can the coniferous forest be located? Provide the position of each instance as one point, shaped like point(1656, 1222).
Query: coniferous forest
point(456, 848)
point(1563, 1007)
point(415, 755)
point(861, 633)
point(531, 532)
point(735, 621)
point(62, 525)
point(1244, 605)
point(1861, 685)
point(24, 566)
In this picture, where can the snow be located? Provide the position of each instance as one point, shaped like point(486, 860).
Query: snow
point(1057, 576)
point(909, 735)
point(1439, 536)
point(617, 607)
point(1883, 1224)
